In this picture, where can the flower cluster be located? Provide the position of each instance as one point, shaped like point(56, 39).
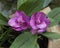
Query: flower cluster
point(38, 22)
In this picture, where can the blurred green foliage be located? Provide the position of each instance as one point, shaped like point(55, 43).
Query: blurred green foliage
point(8, 6)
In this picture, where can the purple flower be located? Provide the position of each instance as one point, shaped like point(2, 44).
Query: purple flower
point(20, 21)
point(39, 22)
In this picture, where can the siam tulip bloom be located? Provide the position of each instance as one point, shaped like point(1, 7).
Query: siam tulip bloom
point(39, 22)
point(20, 21)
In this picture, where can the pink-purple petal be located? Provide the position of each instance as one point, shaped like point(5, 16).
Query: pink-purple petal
point(12, 22)
point(42, 25)
point(20, 21)
point(32, 23)
point(39, 22)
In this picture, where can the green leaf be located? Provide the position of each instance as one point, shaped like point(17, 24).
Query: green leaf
point(36, 46)
point(3, 22)
point(36, 7)
point(20, 2)
point(51, 35)
point(25, 40)
point(54, 15)
point(27, 6)
point(46, 3)
point(3, 16)
point(33, 6)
